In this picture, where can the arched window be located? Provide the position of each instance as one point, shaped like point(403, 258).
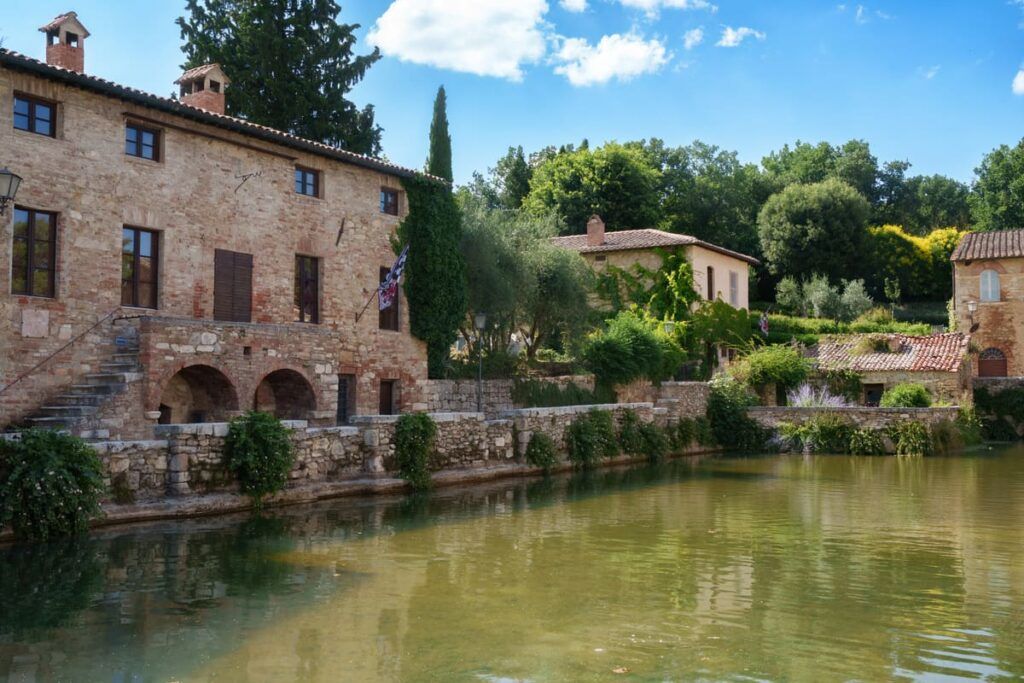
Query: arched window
point(989, 285)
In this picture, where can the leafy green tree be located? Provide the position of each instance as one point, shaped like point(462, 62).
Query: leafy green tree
point(557, 305)
point(613, 181)
point(439, 161)
point(507, 183)
point(806, 164)
point(435, 274)
point(997, 202)
point(939, 202)
point(291, 65)
point(814, 228)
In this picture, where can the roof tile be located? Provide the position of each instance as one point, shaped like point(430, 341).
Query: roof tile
point(989, 245)
point(625, 240)
point(934, 353)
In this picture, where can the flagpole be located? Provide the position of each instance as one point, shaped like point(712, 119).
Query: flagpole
point(359, 315)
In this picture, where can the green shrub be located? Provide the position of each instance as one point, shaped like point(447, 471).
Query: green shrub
point(258, 451)
point(946, 437)
point(631, 439)
point(629, 348)
point(1002, 412)
point(842, 382)
point(590, 437)
point(866, 442)
point(970, 426)
point(783, 329)
point(783, 366)
point(533, 393)
point(824, 433)
point(908, 395)
point(604, 426)
point(684, 433)
point(703, 432)
point(655, 442)
point(50, 484)
point(911, 438)
point(540, 452)
point(415, 434)
point(731, 427)
point(873, 343)
point(879, 315)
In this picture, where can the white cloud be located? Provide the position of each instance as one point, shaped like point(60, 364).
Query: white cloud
point(615, 57)
point(1018, 82)
point(732, 37)
point(573, 5)
point(652, 7)
point(862, 15)
point(483, 37)
point(693, 38)
point(932, 72)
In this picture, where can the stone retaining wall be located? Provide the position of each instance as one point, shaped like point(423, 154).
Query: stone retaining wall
point(459, 395)
point(861, 416)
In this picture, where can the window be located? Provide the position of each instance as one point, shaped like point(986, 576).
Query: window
point(307, 289)
point(214, 86)
point(734, 289)
point(388, 317)
point(389, 201)
point(139, 265)
point(711, 284)
point(141, 142)
point(71, 39)
point(33, 115)
point(388, 396)
point(35, 252)
point(307, 181)
point(232, 286)
point(346, 398)
point(989, 285)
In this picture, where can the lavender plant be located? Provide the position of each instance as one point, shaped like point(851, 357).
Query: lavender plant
point(807, 396)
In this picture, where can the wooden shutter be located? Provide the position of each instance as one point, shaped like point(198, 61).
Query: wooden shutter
point(232, 286)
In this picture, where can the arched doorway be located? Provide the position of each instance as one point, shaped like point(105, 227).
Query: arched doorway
point(198, 393)
point(992, 363)
point(286, 395)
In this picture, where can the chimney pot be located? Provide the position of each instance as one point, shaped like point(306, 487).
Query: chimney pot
point(595, 231)
point(204, 87)
point(65, 42)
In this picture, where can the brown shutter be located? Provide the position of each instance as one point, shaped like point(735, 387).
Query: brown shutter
point(232, 286)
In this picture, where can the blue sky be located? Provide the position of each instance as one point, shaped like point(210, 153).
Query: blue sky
point(931, 81)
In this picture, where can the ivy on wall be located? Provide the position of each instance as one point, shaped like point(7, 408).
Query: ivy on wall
point(435, 273)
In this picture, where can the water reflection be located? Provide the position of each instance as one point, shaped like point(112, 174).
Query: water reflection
point(780, 568)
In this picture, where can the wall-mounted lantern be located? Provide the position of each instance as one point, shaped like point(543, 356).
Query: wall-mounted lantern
point(9, 182)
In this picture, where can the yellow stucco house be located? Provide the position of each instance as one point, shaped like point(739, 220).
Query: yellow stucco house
point(717, 272)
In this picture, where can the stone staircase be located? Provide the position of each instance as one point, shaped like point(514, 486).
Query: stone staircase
point(75, 409)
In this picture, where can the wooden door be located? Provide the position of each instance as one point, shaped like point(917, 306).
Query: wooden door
point(346, 398)
point(232, 286)
point(992, 363)
point(387, 397)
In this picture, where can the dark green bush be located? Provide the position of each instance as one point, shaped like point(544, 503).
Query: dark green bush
point(540, 452)
point(415, 434)
point(655, 443)
point(907, 395)
point(911, 438)
point(1001, 412)
point(845, 383)
point(50, 484)
point(825, 433)
point(783, 328)
point(731, 427)
point(630, 348)
point(532, 393)
point(703, 432)
point(783, 366)
point(604, 425)
point(591, 437)
point(969, 426)
point(866, 442)
point(684, 434)
point(258, 451)
point(631, 439)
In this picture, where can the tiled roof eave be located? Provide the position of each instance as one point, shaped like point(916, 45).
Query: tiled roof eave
point(16, 61)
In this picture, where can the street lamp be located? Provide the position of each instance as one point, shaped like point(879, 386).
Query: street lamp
point(480, 323)
point(668, 326)
point(9, 182)
point(972, 308)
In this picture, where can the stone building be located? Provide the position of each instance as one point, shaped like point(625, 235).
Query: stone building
point(939, 361)
point(718, 273)
point(165, 262)
point(988, 296)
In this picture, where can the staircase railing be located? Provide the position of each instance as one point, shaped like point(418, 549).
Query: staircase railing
point(71, 342)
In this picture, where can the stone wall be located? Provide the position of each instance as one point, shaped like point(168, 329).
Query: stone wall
point(998, 324)
point(460, 395)
point(862, 417)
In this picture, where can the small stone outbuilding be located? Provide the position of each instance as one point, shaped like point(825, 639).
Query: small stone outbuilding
point(940, 362)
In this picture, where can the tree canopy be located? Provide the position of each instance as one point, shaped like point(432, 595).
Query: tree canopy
point(439, 161)
point(998, 199)
point(291, 65)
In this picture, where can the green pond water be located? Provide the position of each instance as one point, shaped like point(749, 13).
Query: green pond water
point(766, 568)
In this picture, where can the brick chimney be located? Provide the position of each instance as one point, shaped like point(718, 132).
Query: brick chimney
point(65, 42)
point(204, 87)
point(595, 231)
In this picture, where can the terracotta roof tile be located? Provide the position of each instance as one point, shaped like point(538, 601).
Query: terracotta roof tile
point(935, 353)
point(199, 72)
point(16, 60)
point(60, 19)
point(987, 245)
point(625, 240)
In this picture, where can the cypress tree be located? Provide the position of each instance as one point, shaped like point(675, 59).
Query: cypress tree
point(439, 161)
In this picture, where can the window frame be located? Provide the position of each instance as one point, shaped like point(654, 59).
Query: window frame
point(33, 118)
point(30, 243)
point(734, 289)
point(710, 277)
point(986, 287)
point(136, 255)
point(385, 206)
point(139, 131)
point(393, 389)
point(304, 276)
point(390, 318)
point(300, 178)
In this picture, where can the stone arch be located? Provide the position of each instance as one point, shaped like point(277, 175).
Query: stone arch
point(992, 363)
point(198, 393)
point(286, 394)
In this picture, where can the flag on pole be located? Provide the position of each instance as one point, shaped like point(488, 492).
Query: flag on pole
point(388, 289)
point(763, 324)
